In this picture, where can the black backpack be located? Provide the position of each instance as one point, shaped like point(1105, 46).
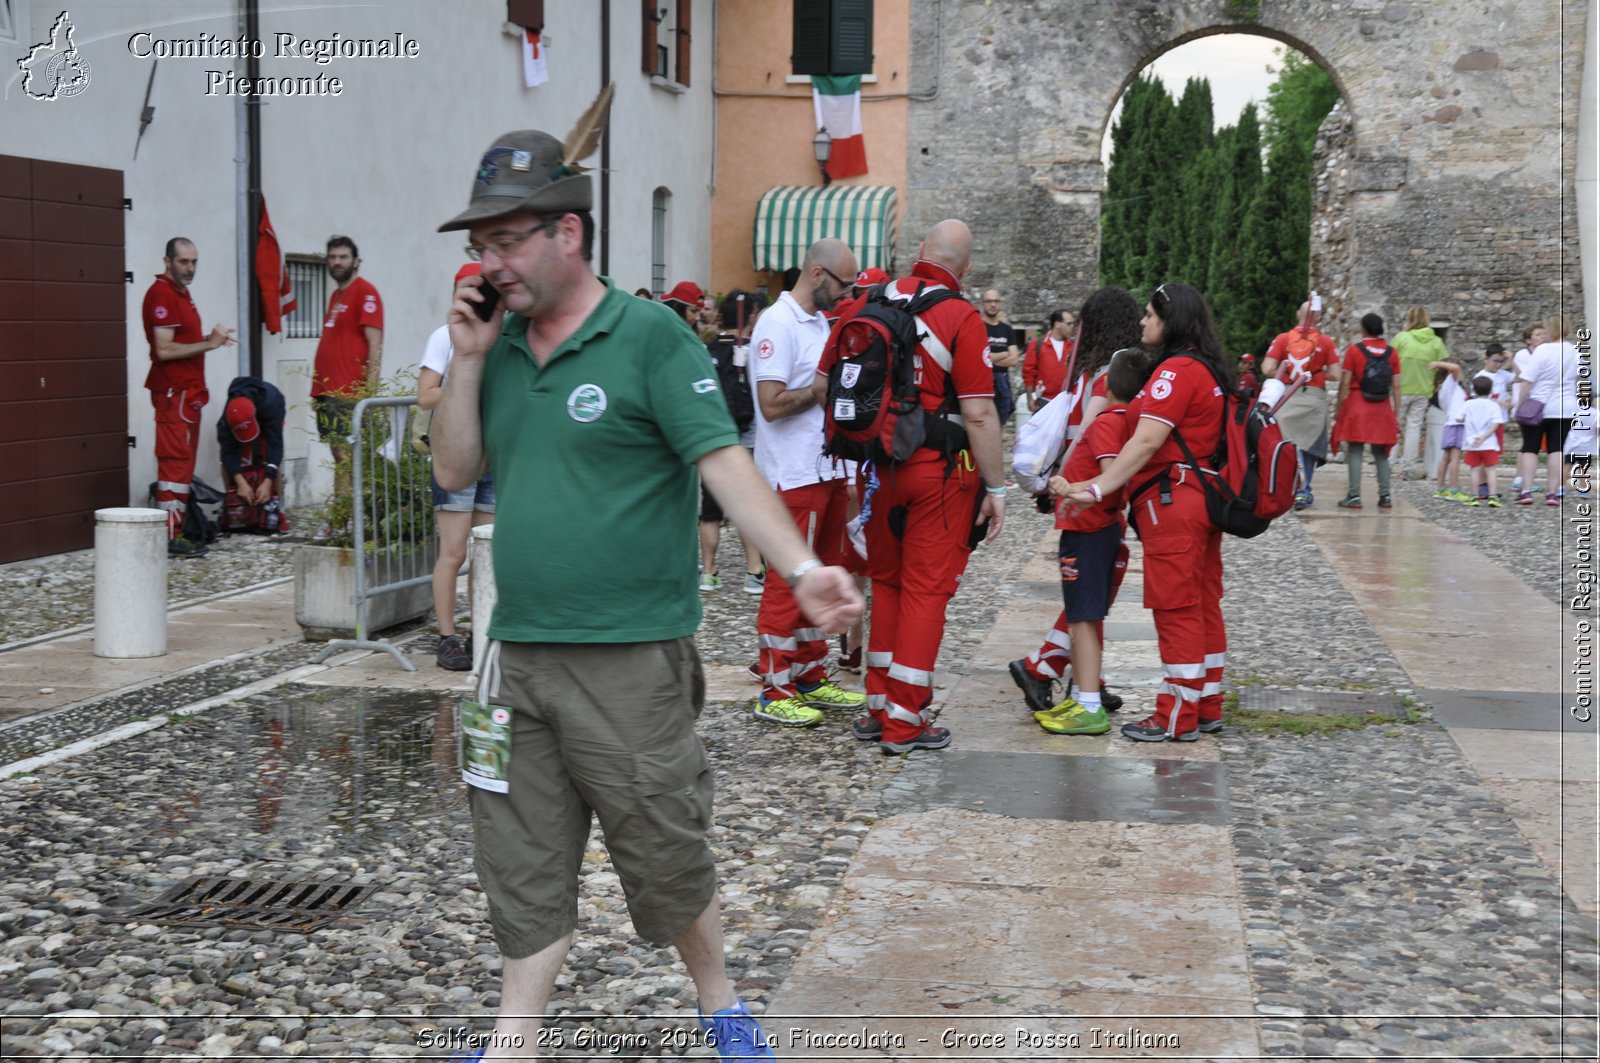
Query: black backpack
point(1377, 377)
point(732, 380)
point(874, 408)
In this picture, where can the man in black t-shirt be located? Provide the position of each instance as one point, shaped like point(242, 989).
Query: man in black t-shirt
point(1003, 352)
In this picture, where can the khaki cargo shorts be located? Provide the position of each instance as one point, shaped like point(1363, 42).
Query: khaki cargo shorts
point(607, 730)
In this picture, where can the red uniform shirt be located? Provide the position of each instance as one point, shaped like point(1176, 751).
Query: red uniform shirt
point(341, 364)
point(1355, 363)
point(1102, 439)
point(957, 349)
point(1181, 393)
point(1041, 367)
point(168, 306)
point(1303, 354)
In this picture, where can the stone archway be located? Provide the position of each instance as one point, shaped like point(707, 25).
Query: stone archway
point(1457, 198)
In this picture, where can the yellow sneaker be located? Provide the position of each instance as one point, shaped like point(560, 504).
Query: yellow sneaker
point(1072, 718)
point(791, 712)
point(828, 695)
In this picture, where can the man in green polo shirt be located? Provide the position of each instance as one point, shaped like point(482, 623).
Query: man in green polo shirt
point(595, 409)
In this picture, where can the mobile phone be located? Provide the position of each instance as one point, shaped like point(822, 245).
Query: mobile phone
point(491, 300)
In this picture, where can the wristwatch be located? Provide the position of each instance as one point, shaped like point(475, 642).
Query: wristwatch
point(802, 568)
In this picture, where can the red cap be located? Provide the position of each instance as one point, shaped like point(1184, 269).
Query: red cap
point(868, 277)
point(684, 292)
point(471, 269)
point(241, 417)
point(1247, 358)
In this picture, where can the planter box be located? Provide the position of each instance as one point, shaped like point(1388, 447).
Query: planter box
point(325, 581)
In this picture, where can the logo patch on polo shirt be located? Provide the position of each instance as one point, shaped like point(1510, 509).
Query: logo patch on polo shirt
point(764, 349)
point(1160, 389)
point(160, 312)
point(587, 403)
point(704, 387)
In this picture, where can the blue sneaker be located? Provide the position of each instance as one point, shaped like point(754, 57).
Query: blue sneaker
point(735, 1034)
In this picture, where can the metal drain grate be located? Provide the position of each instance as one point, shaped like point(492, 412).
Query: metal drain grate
point(241, 902)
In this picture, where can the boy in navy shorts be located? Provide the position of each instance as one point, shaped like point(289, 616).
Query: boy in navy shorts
point(1091, 538)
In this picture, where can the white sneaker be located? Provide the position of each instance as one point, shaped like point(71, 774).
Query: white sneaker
point(755, 582)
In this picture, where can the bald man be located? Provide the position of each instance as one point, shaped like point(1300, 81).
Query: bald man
point(786, 344)
point(929, 511)
point(1004, 351)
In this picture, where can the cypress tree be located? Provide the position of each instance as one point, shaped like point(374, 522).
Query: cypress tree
point(1172, 231)
point(1276, 246)
point(1133, 182)
point(1241, 176)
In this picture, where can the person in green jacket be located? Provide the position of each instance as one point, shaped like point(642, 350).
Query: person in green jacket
point(1417, 346)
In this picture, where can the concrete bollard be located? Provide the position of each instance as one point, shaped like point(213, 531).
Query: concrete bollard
point(480, 555)
point(130, 583)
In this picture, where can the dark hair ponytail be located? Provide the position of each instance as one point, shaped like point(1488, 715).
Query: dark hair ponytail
point(1190, 330)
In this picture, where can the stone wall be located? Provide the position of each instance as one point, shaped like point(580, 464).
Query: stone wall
point(1454, 184)
point(1333, 246)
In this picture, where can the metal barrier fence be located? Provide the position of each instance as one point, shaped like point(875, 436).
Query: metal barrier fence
point(396, 538)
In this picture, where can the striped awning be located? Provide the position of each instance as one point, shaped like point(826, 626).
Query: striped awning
point(790, 218)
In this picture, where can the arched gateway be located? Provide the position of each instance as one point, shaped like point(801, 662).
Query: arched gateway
point(1457, 196)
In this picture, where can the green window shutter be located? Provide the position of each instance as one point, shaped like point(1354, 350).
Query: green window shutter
point(809, 53)
point(851, 37)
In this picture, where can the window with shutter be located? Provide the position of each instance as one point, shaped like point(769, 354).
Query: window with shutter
point(685, 9)
point(651, 20)
point(832, 37)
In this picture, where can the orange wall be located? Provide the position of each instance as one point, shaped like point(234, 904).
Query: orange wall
point(764, 126)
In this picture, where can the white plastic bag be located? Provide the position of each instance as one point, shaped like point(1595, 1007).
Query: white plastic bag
point(1040, 443)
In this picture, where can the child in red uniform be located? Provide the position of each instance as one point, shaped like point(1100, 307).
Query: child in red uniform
point(1091, 538)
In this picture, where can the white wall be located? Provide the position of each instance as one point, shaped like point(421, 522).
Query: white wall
point(385, 162)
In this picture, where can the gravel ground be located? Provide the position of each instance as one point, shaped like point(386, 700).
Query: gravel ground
point(1380, 877)
point(54, 593)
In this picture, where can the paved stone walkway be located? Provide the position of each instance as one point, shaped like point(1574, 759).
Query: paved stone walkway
point(1401, 890)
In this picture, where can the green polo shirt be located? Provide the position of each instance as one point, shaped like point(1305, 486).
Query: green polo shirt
point(596, 503)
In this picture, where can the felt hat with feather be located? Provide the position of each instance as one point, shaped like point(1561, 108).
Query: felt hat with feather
point(531, 172)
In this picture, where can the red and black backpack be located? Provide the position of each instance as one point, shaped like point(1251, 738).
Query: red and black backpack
point(873, 411)
point(1255, 467)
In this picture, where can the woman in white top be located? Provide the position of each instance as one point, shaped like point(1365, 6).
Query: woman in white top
point(1551, 378)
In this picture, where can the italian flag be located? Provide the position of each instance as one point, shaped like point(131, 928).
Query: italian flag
point(837, 101)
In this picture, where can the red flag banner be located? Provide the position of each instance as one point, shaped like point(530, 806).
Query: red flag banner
point(272, 273)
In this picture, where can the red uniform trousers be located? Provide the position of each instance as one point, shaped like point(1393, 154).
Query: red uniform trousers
point(1052, 659)
point(790, 653)
point(1183, 589)
point(914, 574)
point(177, 443)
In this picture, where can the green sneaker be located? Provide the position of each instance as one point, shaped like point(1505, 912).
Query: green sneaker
point(1495, 503)
point(828, 695)
point(791, 712)
point(1472, 502)
point(1459, 495)
point(1072, 718)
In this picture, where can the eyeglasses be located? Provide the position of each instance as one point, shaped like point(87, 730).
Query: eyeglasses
point(504, 245)
point(843, 284)
point(1161, 293)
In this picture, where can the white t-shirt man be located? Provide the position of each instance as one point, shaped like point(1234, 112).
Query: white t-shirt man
point(1553, 368)
point(786, 346)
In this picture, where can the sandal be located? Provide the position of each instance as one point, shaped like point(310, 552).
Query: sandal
point(1352, 502)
